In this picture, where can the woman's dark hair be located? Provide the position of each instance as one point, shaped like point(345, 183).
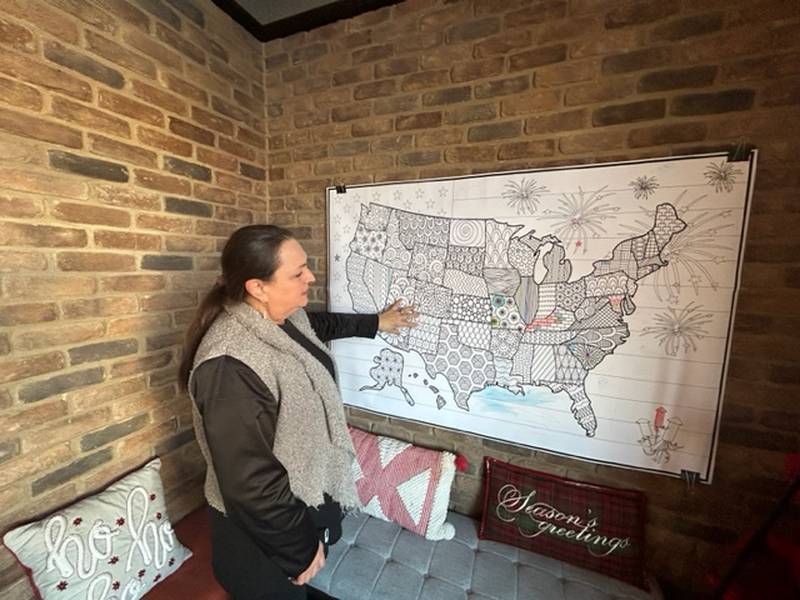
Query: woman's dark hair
point(250, 253)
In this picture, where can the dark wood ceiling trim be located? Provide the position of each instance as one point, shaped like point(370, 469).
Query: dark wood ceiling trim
point(305, 21)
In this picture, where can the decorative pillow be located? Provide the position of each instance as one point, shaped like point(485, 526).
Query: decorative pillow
point(400, 482)
point(117, 543)
point(591, 526)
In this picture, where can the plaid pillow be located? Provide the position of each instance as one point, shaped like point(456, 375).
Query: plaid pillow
point(117, 543)
point(403, 483)
point(591, 526)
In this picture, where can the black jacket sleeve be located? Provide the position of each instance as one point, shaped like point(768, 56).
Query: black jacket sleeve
point(239, 417)
point(332, 326)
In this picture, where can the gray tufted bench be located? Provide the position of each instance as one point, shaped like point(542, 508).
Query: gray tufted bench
point(377, 560)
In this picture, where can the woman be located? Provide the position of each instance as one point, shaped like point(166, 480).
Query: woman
point(268, 416)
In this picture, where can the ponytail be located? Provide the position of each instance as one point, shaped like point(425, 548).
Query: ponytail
point(250, 253)
point(208, 310)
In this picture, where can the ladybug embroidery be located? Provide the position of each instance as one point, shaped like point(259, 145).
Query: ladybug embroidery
point(77, 521)
point(171, 561)
point(121, 521)
point(115, 585)
point(158, 516)
point(152, 497)
point(157, 577)
point(141, 573)
point(113, 560)
point(62, 585)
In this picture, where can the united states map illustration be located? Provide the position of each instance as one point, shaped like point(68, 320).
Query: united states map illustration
point(497, 307)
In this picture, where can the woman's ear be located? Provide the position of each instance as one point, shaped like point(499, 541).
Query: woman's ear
point(256, 289)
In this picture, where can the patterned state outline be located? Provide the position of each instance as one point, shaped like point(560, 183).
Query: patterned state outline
point(427, 262)
point(468, 232)
point(464, 283)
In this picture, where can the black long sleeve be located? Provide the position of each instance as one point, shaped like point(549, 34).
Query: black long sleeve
point(332, 326)
point(239, 416)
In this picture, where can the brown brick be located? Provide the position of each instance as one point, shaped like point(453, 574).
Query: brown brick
point(350, 112)
point(309, 53)
point(667, 134)
point(470, 114)
point(132, 283)
point(118, 55)
point(50, 286)
point(102, 351)
point(187, 244)
point(252, 171)
point(95, 261)
point(638, 13)
point(22, 234)
point(251, 138)
point(418, 121)
point(25, 69)
point(680, 29)
point(372, 53)
point(121, 151)
point(89, 117)
point(236, 148)
point(159, 302)
point(237, 184)
point(19, 94)
point(70, 471)
point(125, 197)
point(781, 93)
point(181, 44)
point(164, 183)
point(27, 180)
point(395, 104)
point(165, 262)
point(192, 132)
point(396, 66)
point(99, 307)
point(537, 12)
point(531, 59)
point(605, 43)
point(11, 262)
point(503, 43)
point(503, 87)
point(126, 241)
point(163, 223)
point(44, 17)
point(130, 108)
point(638, 60)
point(24, 125)
point(678, 78)
point(22, 314)
point(83, 64)
point(592, 142)
point(229, 110)
point(212, 121)
point(533, 149)
point(392, 143)
point(30, 366)
point(18, 207)
point(459, 154)
point(354, 75)
point(184, 89)
point(91, 215)
point(471, 30)
point(712, 103)
point(374, 89)
point(530, 103)
point(87, 167)
point(447, 96)
point(158, 97)
point(424, 79)
point(372, 127)
point(481, 69)
point(157, 139)
point(590, 93)
point(494, 131)
point(216, 159)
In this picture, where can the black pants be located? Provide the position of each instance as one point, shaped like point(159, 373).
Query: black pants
point(244, 571)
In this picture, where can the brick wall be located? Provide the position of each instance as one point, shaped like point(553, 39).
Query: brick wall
point(131, 144)
point(438, 88)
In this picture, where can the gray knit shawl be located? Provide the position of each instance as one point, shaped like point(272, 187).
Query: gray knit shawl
point(311, 437)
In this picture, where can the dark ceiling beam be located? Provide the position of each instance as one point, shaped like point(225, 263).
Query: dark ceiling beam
point(305, 21)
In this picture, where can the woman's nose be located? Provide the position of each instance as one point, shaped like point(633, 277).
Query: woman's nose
point(311, 278)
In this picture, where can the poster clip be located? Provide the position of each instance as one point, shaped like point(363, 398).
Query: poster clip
point(741, 151)
point(341, 189)
point(690, 477)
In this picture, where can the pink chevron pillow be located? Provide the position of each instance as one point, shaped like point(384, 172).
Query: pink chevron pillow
point(403, 483)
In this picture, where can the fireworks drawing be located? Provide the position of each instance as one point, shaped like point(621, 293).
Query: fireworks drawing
point(689, 255)
point(722, 176)
point(644, 187)
point(581, 216)
point(524, 195)
point(680, 330)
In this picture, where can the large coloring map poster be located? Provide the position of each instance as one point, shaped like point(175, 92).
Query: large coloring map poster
point(585, 311)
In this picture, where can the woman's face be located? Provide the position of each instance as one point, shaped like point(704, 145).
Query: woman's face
point(287, 289)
